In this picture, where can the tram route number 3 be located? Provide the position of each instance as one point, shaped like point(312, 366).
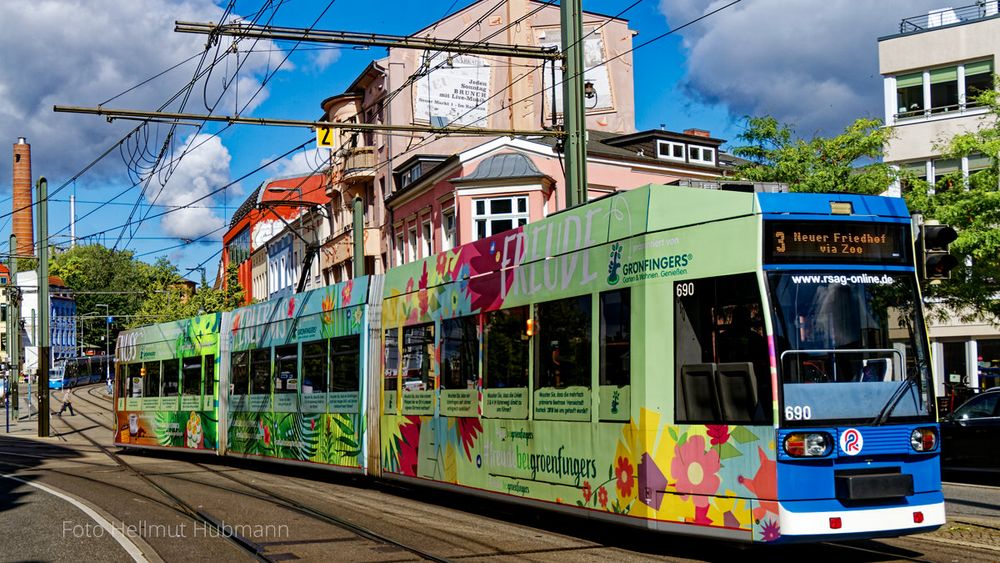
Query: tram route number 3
point(685, 289)
point(798, 412)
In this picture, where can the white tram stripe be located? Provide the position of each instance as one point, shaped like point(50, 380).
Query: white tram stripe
point(130, 548)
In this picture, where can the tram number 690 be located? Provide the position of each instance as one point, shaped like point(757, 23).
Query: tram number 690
point(798, 412)
point(685, 289)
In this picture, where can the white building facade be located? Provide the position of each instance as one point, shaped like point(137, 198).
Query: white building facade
point(932, 70)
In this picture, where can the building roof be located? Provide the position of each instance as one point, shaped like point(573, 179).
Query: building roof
point(246, 207)
point(295, 189)
point(639, 147)
point(503, 166)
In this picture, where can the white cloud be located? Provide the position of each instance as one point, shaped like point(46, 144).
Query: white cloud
point(306, 161)
point(75, 53)
point(325, 57)
point(204, 169)
point(810, 63)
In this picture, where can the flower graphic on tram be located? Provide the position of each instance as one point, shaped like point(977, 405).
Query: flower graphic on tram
point(587, 492)
point(602, 497)
point(719, 433)
point(625, 476)
point(696, 469)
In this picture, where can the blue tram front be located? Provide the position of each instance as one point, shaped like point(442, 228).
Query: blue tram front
point(857, 440)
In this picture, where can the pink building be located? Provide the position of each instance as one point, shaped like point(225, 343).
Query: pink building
point(444, 201)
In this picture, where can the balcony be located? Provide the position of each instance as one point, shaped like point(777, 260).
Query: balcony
point(340, 246)
point(359, 164)
point(950, 16)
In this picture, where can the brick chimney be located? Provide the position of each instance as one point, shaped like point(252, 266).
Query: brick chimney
point(697, 132)
point(23, 226)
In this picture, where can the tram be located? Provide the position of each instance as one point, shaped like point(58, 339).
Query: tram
point(743, 366)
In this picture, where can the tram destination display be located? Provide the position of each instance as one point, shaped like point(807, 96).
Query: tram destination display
point(836, 241)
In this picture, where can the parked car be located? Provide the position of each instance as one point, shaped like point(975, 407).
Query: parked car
point(970, 434)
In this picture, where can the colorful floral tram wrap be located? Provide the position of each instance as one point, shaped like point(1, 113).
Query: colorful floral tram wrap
point(744, 366)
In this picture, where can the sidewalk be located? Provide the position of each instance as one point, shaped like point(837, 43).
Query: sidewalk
point(26, 423)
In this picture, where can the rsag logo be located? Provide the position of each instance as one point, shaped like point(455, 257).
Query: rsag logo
point(614, 263)
point(851, 441)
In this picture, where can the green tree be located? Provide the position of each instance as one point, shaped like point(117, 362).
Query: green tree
point(848, 162)
point(174, 300)
point(100, 275)
point(972, 207)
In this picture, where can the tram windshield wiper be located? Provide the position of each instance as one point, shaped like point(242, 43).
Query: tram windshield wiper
point(897, 396)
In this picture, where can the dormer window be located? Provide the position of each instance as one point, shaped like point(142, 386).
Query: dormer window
point(669, 150)
point(410, 175)
point(701, 155)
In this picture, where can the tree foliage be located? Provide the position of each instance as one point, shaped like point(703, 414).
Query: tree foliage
point(173, 301)
point(973, 208)
point(100, 275)
point(848, 162)
point(136, 293)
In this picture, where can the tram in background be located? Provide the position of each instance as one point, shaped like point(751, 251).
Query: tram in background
point(89, 369)
point(745, 366)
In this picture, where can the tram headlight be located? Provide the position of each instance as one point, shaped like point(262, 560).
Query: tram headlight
point(923, 439)
point(808, 444)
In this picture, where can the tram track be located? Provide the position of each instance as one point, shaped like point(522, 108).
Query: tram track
point(249, 490)
point(280, 500)
point(197, 515)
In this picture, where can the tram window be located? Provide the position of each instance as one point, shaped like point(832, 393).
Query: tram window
point(392, 360)
point(345, 356)
point(151, 381)
point(564, 329)
point(191, 381)
point(616, 320)
point(240, 368)
point(123, 380)
point(314, 366)
point(418, 358)
point(286, 368)
point(260, 371)
point(210, 374)
point(722, 366)
point(505, 348)
point(459, 353)
point(171, 378)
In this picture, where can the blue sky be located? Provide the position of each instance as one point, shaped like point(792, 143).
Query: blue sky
point(811, 63)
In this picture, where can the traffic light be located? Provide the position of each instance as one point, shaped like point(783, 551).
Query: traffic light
point(937, 262)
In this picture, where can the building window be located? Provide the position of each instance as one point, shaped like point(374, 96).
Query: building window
point(944, 89)
point(448, 230)
point(399, 249)
point(910, 94)
point(910, 171)
point(952, 88)
point(499, 214)
point(428, 247)
point(701, 155)
point(669, 150)
point(978, 79)
point(410, 175)
point(411, 248)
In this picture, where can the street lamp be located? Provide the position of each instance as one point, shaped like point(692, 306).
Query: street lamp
point(107, 341)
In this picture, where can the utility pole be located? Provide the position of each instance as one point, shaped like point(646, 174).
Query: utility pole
point(359, 237)
point(14, 329)
point(44, 348)
point(574, 112)
point(107, 341)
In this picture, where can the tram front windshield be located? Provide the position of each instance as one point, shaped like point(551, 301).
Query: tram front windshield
point(851, 348)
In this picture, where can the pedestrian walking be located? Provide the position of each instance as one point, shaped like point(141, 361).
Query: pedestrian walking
point(67, 404)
